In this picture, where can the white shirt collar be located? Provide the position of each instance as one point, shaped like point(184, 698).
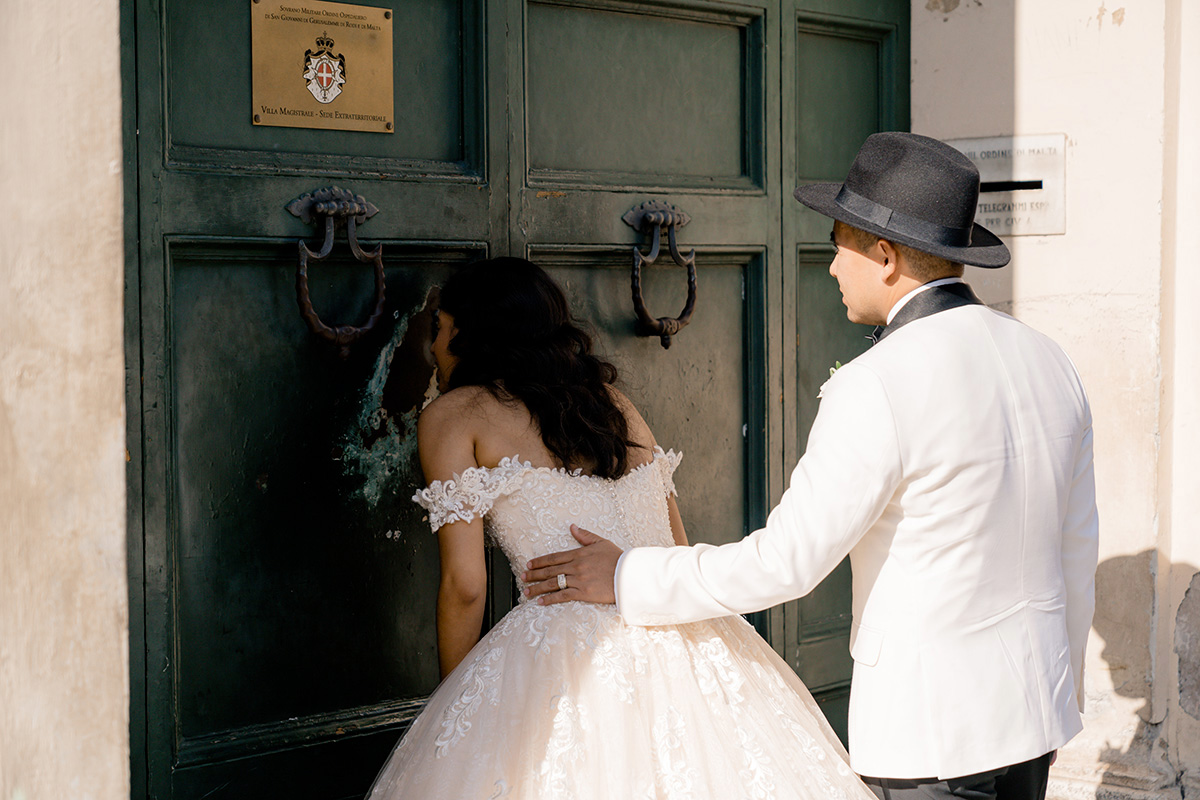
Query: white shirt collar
point(900, 304)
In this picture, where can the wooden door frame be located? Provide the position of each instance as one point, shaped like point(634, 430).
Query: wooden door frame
point(135, 520)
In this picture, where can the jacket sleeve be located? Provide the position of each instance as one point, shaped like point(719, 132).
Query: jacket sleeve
point(1080, 552)
point(849, 472)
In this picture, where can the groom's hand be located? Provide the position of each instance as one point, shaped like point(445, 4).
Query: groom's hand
point(588, 572)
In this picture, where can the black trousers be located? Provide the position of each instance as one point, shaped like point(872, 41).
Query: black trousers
point(1024, 781)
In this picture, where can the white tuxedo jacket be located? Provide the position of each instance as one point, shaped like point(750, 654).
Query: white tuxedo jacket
point(953, 463)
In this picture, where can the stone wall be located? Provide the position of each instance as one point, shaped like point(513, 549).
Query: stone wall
point(1118, 290)
point(64, 675)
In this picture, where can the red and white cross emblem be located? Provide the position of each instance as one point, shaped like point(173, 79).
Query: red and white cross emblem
point(325, 74)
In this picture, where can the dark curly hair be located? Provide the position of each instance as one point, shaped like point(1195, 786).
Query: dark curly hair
point(517, 339)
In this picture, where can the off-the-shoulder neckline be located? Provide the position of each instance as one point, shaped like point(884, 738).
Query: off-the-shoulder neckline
point(515, 464)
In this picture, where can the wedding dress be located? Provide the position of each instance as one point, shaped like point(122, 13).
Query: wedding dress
point(566, 702)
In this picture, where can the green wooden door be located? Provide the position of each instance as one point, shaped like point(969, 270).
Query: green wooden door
point(848, 68)
point(624, 103)
point(283, 584)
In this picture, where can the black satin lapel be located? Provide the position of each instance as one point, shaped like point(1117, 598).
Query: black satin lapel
point(931, 301)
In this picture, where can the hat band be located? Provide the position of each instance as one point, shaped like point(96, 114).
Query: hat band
point(899, 222)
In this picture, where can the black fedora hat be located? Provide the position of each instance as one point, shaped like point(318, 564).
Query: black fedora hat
point(915, 191)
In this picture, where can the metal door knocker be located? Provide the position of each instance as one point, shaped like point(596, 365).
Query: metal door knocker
point(651, 217)
point(338, 208)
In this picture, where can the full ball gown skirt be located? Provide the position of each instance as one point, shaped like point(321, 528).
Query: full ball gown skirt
point(567, 702)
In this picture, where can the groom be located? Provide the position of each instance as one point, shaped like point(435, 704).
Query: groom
point(953, 463)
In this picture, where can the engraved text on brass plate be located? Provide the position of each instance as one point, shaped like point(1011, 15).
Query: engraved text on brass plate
point(321, 65)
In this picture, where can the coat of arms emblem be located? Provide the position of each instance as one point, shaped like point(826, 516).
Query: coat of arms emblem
point(324, 71)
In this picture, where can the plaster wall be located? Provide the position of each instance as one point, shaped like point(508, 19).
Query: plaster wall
point(63, 598)
point(1181, 390)
point(1109, 77)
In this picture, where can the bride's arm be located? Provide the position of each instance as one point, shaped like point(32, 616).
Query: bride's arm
point(677, 531)
point(461, 593)
point(446, 448)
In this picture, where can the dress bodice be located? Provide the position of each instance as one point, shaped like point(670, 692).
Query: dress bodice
point(528, 510)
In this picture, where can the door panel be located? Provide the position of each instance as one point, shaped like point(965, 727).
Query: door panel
point(291, 493)
point(302, 576)
point(848, 66)
point(819, 624)
point(626, 102)
point(438, 84)
point(618, 93)
point(701, 397)
point(837, 62)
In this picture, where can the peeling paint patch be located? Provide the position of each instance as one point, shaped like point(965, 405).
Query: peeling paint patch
point(1187, 647)
point(383, 439)
point(943, 6)
point(431, 391)
point(544, 194)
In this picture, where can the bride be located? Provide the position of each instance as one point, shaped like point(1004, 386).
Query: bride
point(566, 701)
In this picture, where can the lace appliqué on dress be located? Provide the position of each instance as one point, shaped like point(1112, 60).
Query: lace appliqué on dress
point(470, 494)
point(473, 492)
point(667, 462)
point(480, 682)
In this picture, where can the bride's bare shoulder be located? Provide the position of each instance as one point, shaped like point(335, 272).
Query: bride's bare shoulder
point(456, 407)
point(449, 430)
point(639, 431)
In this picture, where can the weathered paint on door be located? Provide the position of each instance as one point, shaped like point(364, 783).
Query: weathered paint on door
point(848, 71)
point(283, 583)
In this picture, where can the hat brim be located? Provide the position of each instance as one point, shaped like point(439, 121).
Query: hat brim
point(986, 250)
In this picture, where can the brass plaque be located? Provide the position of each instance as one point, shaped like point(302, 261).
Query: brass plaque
point(321, 65)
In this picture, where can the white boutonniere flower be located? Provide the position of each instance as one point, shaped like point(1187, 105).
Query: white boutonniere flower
point(836, 366)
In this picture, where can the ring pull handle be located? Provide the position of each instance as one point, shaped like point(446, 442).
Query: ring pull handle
point(338, 208)
point(652, 217)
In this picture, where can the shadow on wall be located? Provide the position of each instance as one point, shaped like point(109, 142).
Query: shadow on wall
point(1125, 594)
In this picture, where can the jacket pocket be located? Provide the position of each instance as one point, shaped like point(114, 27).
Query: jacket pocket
point(865, 644)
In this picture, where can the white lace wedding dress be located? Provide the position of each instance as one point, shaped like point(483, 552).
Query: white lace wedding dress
point(566, 702)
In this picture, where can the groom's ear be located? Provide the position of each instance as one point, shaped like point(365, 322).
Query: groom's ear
point(888, 258)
